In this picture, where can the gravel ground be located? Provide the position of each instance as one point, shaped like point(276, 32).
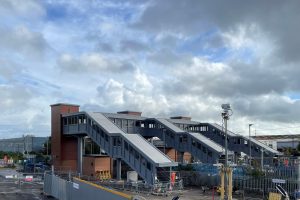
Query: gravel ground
point(11, 189)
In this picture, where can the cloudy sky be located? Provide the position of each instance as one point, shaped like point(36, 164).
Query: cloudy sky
point(172, 57)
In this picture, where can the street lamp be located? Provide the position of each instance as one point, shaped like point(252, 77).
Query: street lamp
point(225, 115)
point(250, 143)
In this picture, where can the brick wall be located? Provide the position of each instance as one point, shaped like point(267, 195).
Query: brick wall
point(93, 164)
point(64, 150)
point(173, 154)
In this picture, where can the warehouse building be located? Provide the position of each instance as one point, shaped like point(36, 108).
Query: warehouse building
point(28, 143)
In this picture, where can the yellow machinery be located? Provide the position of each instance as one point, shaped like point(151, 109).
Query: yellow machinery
point(228, 173)
point(103, 175)
point(274, 196)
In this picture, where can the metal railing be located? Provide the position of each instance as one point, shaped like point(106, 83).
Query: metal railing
point(159, 188)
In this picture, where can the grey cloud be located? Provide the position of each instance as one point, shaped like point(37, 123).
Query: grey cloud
point(168, 40)
point(14, 98)
point(133, 46)
point(105, 47)
point(273, 108)
point(278, 19)
point(93, 107)
point(23, 41)
point(8, 69)
point(169, 58)
point(233, 80)
point(93, 63)
point(25, 9)
point(214, 42)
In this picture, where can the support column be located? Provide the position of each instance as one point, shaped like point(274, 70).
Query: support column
point(79, 154)
point(262, 159)
point(119, 167)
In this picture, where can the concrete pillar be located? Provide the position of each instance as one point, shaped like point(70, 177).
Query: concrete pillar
point(119, 167)
point(79, 154)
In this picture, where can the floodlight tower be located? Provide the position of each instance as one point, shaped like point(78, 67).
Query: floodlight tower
point(226, 113)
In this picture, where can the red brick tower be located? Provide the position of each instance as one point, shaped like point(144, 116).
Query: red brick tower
point(63, 149)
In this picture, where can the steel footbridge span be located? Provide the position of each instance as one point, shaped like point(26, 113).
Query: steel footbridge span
point(133, 149)
point(201, 147)
point(236, 143)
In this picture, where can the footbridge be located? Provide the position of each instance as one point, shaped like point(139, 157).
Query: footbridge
point(133, 149)
point(236, 143)
point(200, 146)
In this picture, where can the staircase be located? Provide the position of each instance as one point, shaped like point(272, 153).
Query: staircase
point(133, 149)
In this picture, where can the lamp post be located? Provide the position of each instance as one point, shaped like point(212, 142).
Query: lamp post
point(250, 144)
point(225, 115)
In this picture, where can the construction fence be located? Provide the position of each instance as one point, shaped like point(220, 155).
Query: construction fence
point(78, 189)
point(251, 181)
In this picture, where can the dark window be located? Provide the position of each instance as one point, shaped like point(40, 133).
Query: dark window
point(137, 155)
point(65, 121)
point(199, 146)
point(138, 123)
point(180, 139)
point(184, 139)
point(209, 153)
point(130, 149)
point(126, 145)
point(143, 161)
point(106, 138)
point(193, 143)
point(204, 149)
point(149, 166)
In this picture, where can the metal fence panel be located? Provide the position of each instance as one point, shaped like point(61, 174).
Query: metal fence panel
point(78, 189)
point(88, 191)
point(48, 184)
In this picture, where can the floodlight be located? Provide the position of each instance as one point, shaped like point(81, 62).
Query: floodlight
point(226, 106)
